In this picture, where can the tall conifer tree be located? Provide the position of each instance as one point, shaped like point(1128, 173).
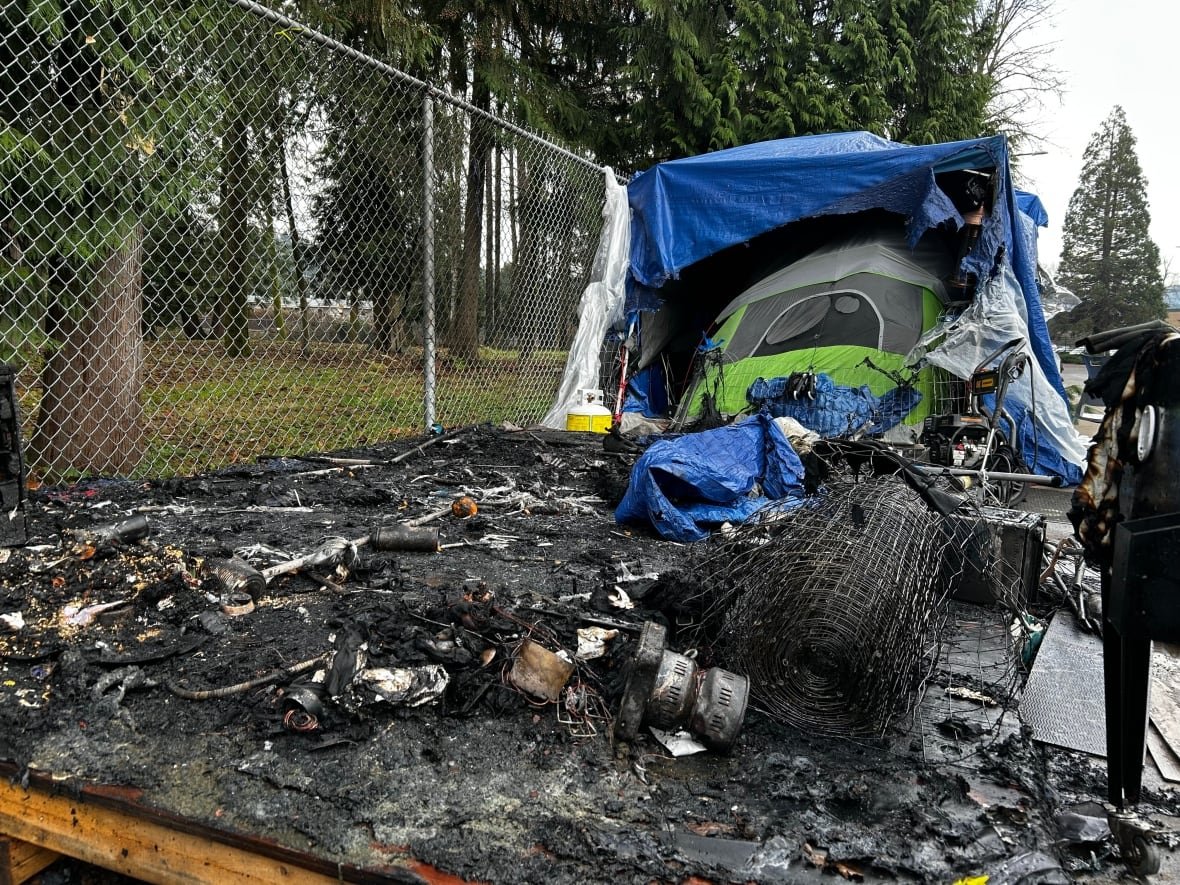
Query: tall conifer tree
point(1108, 259)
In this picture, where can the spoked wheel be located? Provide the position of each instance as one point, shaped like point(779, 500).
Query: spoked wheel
point(1005, 493)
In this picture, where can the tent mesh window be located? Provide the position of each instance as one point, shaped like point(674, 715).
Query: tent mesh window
point(836, 609)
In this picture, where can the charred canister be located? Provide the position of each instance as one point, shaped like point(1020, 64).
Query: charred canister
point(133, 528)
point(236, 576)
point(404, 537)
point(667, 690)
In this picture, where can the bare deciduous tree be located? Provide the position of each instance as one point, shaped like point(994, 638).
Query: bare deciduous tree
point(1016, 57)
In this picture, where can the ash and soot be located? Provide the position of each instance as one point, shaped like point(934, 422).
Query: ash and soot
point(366, 707)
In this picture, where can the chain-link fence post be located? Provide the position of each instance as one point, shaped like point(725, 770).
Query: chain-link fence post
point(214, 242)
point(428, 330)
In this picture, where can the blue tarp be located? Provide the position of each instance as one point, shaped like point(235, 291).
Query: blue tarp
point(685, 210)
point(1031, 205)
point(835, 410)
point(647, 393)
point(685, 486)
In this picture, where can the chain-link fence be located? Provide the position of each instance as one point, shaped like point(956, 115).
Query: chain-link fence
point(224, 234)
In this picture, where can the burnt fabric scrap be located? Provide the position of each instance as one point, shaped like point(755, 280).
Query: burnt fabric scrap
point(1142, 372)
point(684, 487)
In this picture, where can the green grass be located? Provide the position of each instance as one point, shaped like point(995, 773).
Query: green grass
point(204, 410)
point(276, 402)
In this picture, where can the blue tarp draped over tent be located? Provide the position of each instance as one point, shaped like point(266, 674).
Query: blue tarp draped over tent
point(686, 210)
point(685, 486)
point(1031, 205)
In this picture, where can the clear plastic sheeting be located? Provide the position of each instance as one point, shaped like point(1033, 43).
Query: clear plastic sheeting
point(601, 306)
point(1055, 298)
point(1046, 437)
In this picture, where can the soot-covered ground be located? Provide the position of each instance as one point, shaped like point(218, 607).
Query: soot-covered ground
point(106, 641)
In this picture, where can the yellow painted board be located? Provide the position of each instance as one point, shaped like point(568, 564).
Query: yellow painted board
point(134, 846)
point(20, 861)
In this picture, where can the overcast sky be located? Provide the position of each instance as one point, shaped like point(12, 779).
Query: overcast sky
point(1110, 53)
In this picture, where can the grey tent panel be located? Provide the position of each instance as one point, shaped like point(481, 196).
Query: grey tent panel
point(805, 317)
point(839, 263)
point(881, 251)
point(663, 328)
point(865, 310)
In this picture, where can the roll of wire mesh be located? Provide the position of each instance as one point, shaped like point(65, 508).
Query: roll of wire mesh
point(833, 609)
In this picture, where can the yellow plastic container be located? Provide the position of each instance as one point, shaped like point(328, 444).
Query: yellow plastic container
point(590, 415)
point(588, 419)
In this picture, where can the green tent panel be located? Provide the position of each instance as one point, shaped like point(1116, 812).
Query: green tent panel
point(825, 313)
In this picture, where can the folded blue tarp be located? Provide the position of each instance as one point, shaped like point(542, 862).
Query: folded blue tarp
point(687, 485)
point(647, 393)
point(1031, 205)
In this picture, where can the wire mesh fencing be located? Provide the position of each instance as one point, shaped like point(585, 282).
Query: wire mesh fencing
point(836, 608)
point(836, 604)
point(223, 233)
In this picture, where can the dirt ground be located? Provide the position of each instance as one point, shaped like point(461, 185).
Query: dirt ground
point(485, 783)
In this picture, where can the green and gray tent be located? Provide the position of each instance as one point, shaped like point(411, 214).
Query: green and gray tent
point(824, 314)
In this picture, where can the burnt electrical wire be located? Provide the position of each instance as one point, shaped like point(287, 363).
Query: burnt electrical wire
point(226, 691)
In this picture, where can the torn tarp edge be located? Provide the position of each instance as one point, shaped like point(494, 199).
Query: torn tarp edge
point(684, 487)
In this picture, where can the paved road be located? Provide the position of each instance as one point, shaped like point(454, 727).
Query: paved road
point(1073, 374)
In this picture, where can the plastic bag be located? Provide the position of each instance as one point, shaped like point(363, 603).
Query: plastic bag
point(601, 306)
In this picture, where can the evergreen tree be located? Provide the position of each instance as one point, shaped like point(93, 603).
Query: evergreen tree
point(708, 76)
point(94, 123)
point(536, 62)
point(1108, 259)
point(935, 89)
point(679, 69)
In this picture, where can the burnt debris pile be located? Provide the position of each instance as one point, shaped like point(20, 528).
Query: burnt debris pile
point(834, 609)
point(460, 657)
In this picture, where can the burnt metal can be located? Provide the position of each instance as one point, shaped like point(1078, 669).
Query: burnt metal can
point(719, 709)
point(671, 698)
point(405, 537)
point(235, 575)
point(133, 528)
point(668, 690)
